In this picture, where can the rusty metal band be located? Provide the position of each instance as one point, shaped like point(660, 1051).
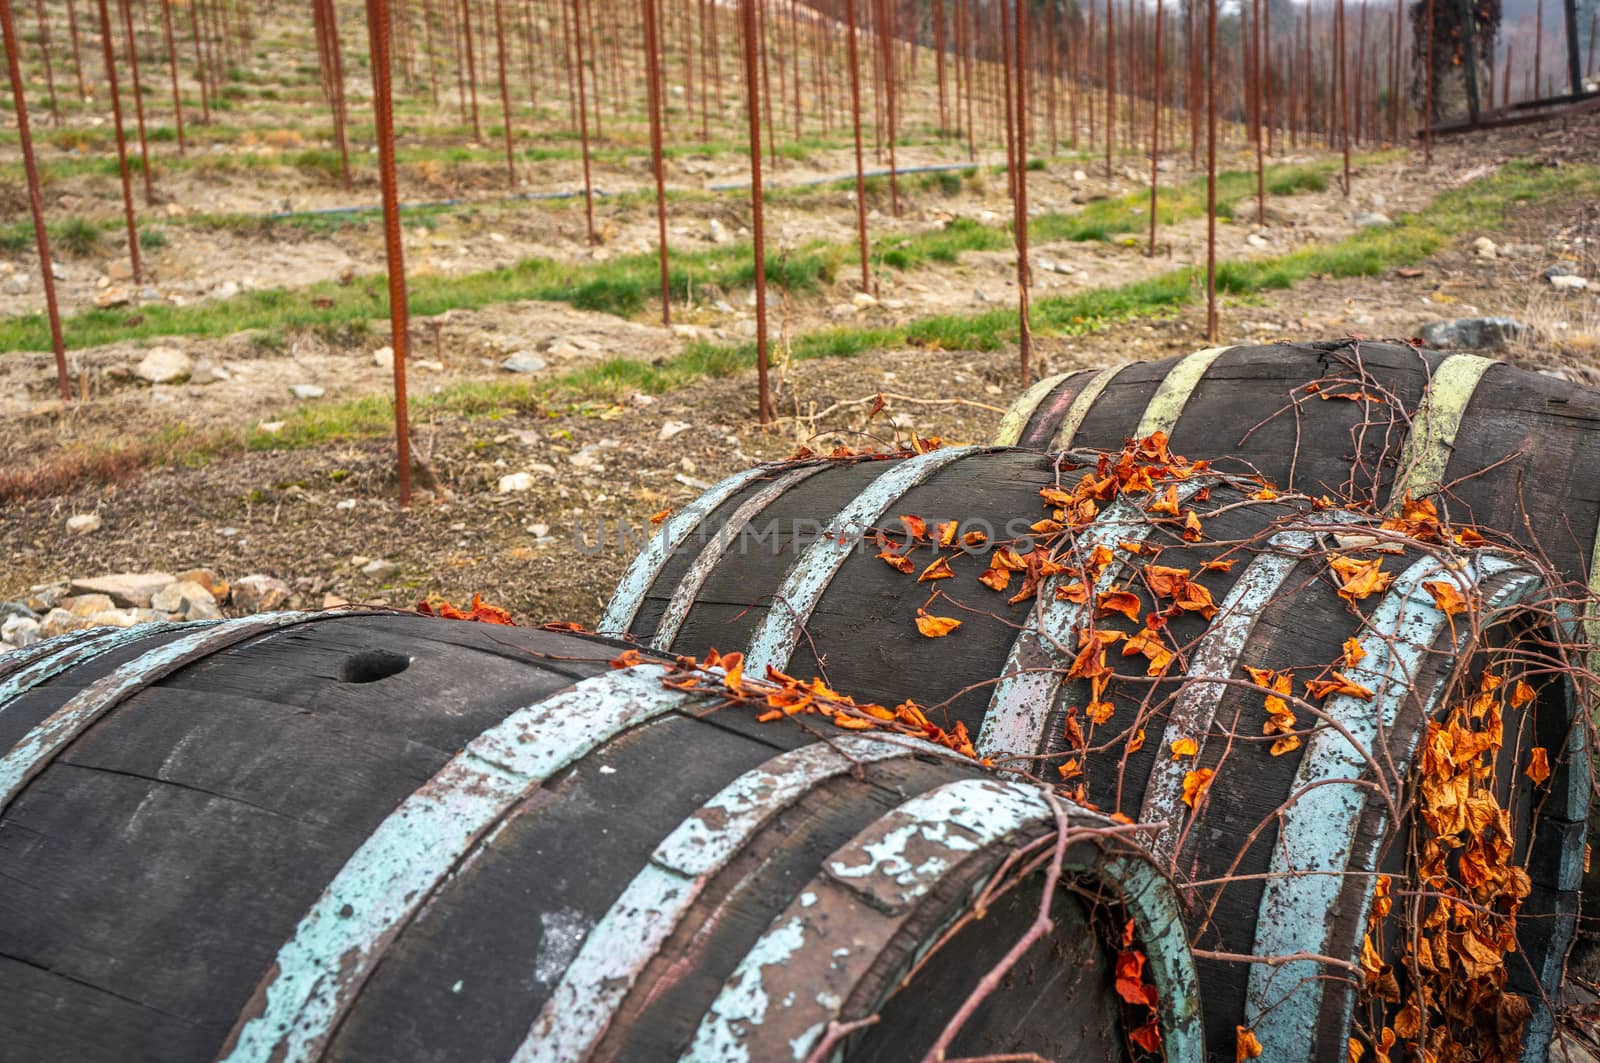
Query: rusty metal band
point(775, 639)
point(318, 973)
point(646, 568)
point(688, 588)
point(38, 748)
point(797, 976)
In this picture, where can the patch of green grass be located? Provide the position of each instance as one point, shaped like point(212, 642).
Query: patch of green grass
point(77, 236)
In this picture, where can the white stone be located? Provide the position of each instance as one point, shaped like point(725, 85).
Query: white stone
point(83, 523)
point(19, 631)
point(686, 332)
point(164, 365)
point(383, 357)
point(380, 569)
point(1569, 281)
point(515, 482)
point(345, 503)
point(1484, 247)
point(125, 588)
point(864, 300)
point(259, 593)
point(523, 362)
point(187, 599)
point(671, 429)
point(307, 391)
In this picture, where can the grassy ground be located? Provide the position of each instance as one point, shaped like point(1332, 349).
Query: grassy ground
point(623, 285)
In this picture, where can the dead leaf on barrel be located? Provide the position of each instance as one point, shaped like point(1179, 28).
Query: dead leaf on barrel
point(1136, 743)
point(945, 533)
point(1184, 747)
point(1246, 1046)
point(1521, 694)
point(627, 659)
point(996, 579)
point(1353, 653)
point(1077, 591)
point(940, 569)
point(657, 518)
point(1339, 684)
point(1130, 978)
point(1219, 566)
point(1265, 494)
point(1164, 580)
point(1124, 602)
point(1167, 503)
point(1358, 579)
point(1196, 783)
point(1446, 595)
point(974, 539)
point(897, 561)
point(1147, 1037)
point(915, 525)
point(1193, 598)
point(1100, 711)
point(1286, 744)
point(1538, 766)
point(733, 664)
point(1192, 532)
point(936, 627)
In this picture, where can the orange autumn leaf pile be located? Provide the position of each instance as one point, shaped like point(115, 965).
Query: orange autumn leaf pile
point(480, 611)
point(777, 695)
point(1446, 998)
point(1140, 996)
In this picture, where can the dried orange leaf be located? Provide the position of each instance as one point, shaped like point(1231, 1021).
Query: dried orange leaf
point(915, 525)
point(1353, 653)
point(1219, 566)
point(1286, 744)
point(1358, 579)
point(1168, 503)
point(1100, 711)
point(1339, 684)
point(940, 569)
point(945, 533)
point(974, 539)
point(1077, 591)
point(1184, 747)
point(1195, 784)
point(1124, 602)
point(996, 579)
point(657, 518)
point(1538, 766)
point(936, 627)
point(1246, 1046)
point(897, 561)
point(1136, 743)
point(1446, 595)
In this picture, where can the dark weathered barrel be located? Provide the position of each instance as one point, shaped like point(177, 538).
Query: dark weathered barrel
point(1509, 450)
point(384, 837)
point(1143, 660)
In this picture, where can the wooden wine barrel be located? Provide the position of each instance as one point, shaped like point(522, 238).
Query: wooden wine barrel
point(1511, 451)
point(387, 837)
point(1282, 849)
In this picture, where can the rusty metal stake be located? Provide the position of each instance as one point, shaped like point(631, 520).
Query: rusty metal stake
point(108, 48)
point(44, 54)
point(138, 102)
point(172, 64)
point(1155, 134)
point(652, 58)
point(383, 106)
point(505, 92)
point(1211, 170)
point(35, 203)
point(747, 14)
point(583, 121)
point(855, 122)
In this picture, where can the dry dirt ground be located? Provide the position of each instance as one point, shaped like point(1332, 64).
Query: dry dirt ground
point(315, 516)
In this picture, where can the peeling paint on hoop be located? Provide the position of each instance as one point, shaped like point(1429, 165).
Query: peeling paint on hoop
point(622, 944)
point(45, 660)
point(1317, 831)
point(1021, 411)
point(1167, 404)
point(884, 873)
point(1434, 426)
point(319, 971)
point(646, 567)
point(688, 588)
point(779, 632)
point(36, 749)
point(1028, 684)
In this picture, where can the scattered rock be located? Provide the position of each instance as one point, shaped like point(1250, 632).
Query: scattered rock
point(209, 580)
point(587, 457)
point(307, 391)
point(671, 429)
point(863, 300)
point(16, 284)
point(1372, 219)
point(1256, 240)
point(333, 601)
point(1569, 281)
point(225, 290)
point(164, 365)
point(259, 594)
point(114, 618)
point(516, 482)
point(345, 504)
point(186, 600)
point(61, 621)
point(83, 523)
point(110, 297)
point(686, 332)
point(20, 631)
point(383, 357)
point(523, 362)
point(1484, 247)
point(380, 569)
point(11, 609)
point(125, 588)
point(1473, 333)
point(716, 232)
